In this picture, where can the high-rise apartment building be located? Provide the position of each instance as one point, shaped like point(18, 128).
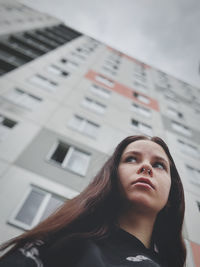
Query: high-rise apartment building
point(66, 100)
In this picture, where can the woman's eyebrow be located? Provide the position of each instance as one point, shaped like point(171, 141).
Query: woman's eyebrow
point(133, 152)
point(139, 154)
point(161, 159)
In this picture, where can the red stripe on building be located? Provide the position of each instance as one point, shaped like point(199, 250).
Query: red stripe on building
point(120, 89)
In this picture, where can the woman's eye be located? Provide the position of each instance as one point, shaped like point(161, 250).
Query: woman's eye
point(131, 159)
point(159, 165)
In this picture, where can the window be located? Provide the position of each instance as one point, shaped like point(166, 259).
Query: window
point(69, 157)
point(163, 79)
point(5, 125)
point(23, 47)
point(12, 56)
point(84, 126)
point(43, 82)
point(171, 101)
point(105, 81)
point(78, 56)
point(181, 128)
point(198, 205)
point(140, 87)
point(142, 127)
point(22, 99)
point(83, 50)
point(71, 64)
point(141, 110)
point(141, 77)
point(141, 98)
point(100, 91)
point(174, 113)
point(194, 175)
point(139, 69)
point(189, 149)
point(58, 71)
point(93, 105)
point(36, 206)
point(112, 64)
point(169, 94)
point(108, 70)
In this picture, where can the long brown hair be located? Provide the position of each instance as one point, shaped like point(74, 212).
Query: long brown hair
point(93, 213)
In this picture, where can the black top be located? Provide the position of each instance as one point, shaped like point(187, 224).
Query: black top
point(119, 249)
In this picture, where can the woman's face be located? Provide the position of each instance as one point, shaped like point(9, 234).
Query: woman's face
point(144, 176)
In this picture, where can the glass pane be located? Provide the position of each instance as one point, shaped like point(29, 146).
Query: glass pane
point(105, 81)
point(8, 123)
point(98, 107)
point(172, 112)
point(60, 153)
point(189, 149)
point(43, 82)
point(72, 65)
point(100, 91)
point(30, 207)
point(143, 99)
point(145, 129)
point(145, 112)
point(180, 128)
point(30, 102)
point(53, 70)
point(52, 205)
point(198, 204)
point(78, 162)
point(140, 110)
point(87, 102)
point(15, 96)
point(4, 131)
point(194, 175)
point(134, 123)
point(91, 129)
point(75, 122)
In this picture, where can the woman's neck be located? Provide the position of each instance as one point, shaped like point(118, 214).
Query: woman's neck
point(139, 225)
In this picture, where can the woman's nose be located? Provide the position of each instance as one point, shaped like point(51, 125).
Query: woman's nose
point(145, 169)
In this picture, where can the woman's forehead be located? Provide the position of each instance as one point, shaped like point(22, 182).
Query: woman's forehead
point(146, 146)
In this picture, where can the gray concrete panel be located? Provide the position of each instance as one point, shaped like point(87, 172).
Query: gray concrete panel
point(34, 158)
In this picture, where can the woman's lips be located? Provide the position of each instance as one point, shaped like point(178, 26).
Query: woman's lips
point(144, 182)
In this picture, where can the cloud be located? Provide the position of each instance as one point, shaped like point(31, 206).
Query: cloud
point(164, 34)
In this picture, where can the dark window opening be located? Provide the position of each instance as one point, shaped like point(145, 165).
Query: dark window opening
point(9, 123)
point(60, 152)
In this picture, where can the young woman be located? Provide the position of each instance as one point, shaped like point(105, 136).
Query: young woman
point(131, 214)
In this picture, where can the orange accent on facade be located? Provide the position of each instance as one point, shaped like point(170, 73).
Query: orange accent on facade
point(114, 50)
point(129, 57)
point(122, 90)
point(137, 61)
point(196, 253)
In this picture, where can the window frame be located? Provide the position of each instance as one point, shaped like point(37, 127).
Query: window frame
point(83, 125)
point(69, 153)
point(39, 213)
point(49, 84)
point(177, 125)
point(24, 95)
point(100, 91)
point(192, 180)
point(138, 127)
point(90, 104)
point(141, 110)
point(185, 147)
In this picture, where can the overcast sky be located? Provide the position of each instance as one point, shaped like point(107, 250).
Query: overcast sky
point(163, 34)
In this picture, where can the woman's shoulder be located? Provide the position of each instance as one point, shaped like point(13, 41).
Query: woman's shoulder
point(26, 256)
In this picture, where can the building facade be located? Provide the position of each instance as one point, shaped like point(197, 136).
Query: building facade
point(66, 101)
